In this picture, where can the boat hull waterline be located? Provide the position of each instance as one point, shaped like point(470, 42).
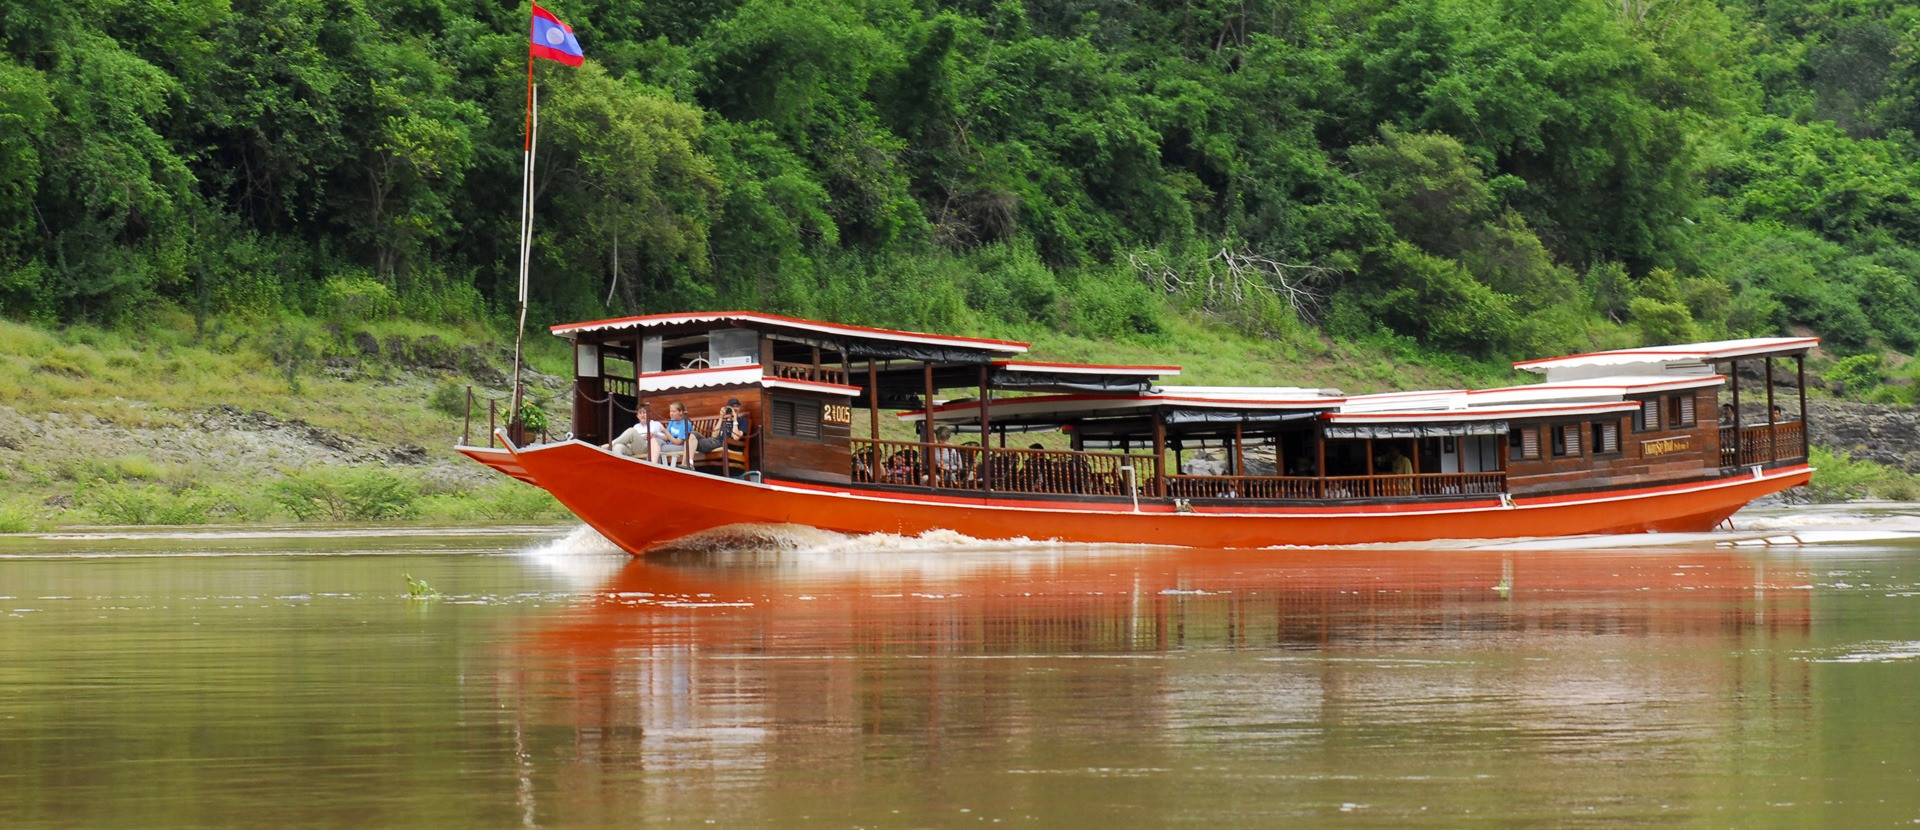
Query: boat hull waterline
point(641, 506)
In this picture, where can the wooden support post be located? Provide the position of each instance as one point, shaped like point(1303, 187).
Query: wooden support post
point(1239, 454)
point(1159, 456)
point(1770, 418)
point(816, 364)
point(926, 402)
point(1800, 369)
point(1773, 451)
point(466, 427)
point(986, 427)
point(873, 416)
point(1732, 371)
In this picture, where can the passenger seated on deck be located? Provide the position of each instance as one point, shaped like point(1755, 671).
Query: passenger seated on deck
point(900, 467)
point(1002, 468)
point(1037, 474)
point(671, 443)
point(732, 427)
point(637, 441)
point(1726, 413)
point(945, 467)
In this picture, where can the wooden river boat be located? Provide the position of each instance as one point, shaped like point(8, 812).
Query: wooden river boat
point(1609, 442)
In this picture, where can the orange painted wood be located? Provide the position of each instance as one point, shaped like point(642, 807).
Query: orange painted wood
point(640, 506)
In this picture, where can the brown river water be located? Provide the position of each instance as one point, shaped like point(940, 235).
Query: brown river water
point(284, 677)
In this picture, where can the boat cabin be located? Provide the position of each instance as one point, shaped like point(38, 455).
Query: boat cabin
point(808, 388)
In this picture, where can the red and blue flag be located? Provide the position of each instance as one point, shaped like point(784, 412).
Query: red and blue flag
point(553, 39)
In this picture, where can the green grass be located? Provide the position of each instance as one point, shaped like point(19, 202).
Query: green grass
point(1839, 478)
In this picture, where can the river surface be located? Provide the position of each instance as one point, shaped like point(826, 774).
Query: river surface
point(287, 678)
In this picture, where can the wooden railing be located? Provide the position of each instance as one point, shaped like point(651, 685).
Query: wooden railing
point(807, 371)
point(1762, 443)
point(919, 464)
point(1337, 487)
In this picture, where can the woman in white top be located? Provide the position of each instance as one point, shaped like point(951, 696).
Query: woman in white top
point(638, 439)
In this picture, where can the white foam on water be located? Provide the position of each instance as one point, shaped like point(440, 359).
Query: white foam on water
point(1879, 653)
point(583, 557)
point(802, 539)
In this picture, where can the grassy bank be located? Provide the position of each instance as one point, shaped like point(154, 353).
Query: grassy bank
point(299, 419)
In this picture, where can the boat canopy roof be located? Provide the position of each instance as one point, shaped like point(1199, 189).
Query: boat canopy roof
point(1176, 404)
point(1685, 358)
point(860, 341)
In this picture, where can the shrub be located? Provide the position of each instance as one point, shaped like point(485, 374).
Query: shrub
point(14, 519)
point(343, 495)
point(1662, 322)
point(1857, 375)
point(449, 398)
point(506, 501)
point(356, 300)
point(147, 504)
point(1840, 478)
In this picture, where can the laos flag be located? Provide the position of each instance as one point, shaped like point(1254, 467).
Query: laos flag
point(553, 40)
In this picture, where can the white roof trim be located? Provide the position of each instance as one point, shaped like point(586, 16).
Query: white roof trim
point(1484, 414)
point(810, 386)
point(658, 320)
point(1708, 352)
point(1608, 388)
point(699, 378)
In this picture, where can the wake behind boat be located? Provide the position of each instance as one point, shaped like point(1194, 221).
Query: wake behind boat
point(1609, 442)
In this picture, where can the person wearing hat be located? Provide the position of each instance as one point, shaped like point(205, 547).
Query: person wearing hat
point(732, 427)
point(637, 441)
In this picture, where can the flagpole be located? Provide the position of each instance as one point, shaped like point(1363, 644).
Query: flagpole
point(526, 229)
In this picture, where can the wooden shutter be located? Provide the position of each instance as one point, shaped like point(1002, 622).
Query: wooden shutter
point(1649, 415)
point(1530, 443)
point(806, 420)
point(1571, 435)
point(782, 417)
point(1606, 437)
point(1686, 409)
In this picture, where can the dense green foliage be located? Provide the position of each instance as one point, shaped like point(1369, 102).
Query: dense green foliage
point(1493, 178)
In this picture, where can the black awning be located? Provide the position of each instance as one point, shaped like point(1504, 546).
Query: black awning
point(1417, 430)
point(1186, 417)
point(1069, 382)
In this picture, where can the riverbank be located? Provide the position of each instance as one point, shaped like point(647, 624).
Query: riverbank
point(303, 420)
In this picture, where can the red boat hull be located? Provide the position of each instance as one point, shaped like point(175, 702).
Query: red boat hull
point(641, 506)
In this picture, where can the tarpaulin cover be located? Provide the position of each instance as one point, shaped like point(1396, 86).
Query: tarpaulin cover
point(1416, 430)
point(1178, 417)
point(1069, 382)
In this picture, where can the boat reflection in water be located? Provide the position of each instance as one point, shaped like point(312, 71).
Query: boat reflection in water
point(1082, 683)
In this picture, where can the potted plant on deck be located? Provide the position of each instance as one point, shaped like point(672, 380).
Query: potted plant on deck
point(530, 420)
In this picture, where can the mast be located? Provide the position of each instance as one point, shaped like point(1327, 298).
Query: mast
point(526, 229)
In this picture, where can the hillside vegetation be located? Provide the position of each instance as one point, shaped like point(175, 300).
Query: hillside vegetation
point(212, 202)
point(1489, 178)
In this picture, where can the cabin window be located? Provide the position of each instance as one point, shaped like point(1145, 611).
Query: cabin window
point(790, 418)
point(1606, 437)
point(1680, 410)
point(1523, 444)
point(1647, 417)
point(1566, 440)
